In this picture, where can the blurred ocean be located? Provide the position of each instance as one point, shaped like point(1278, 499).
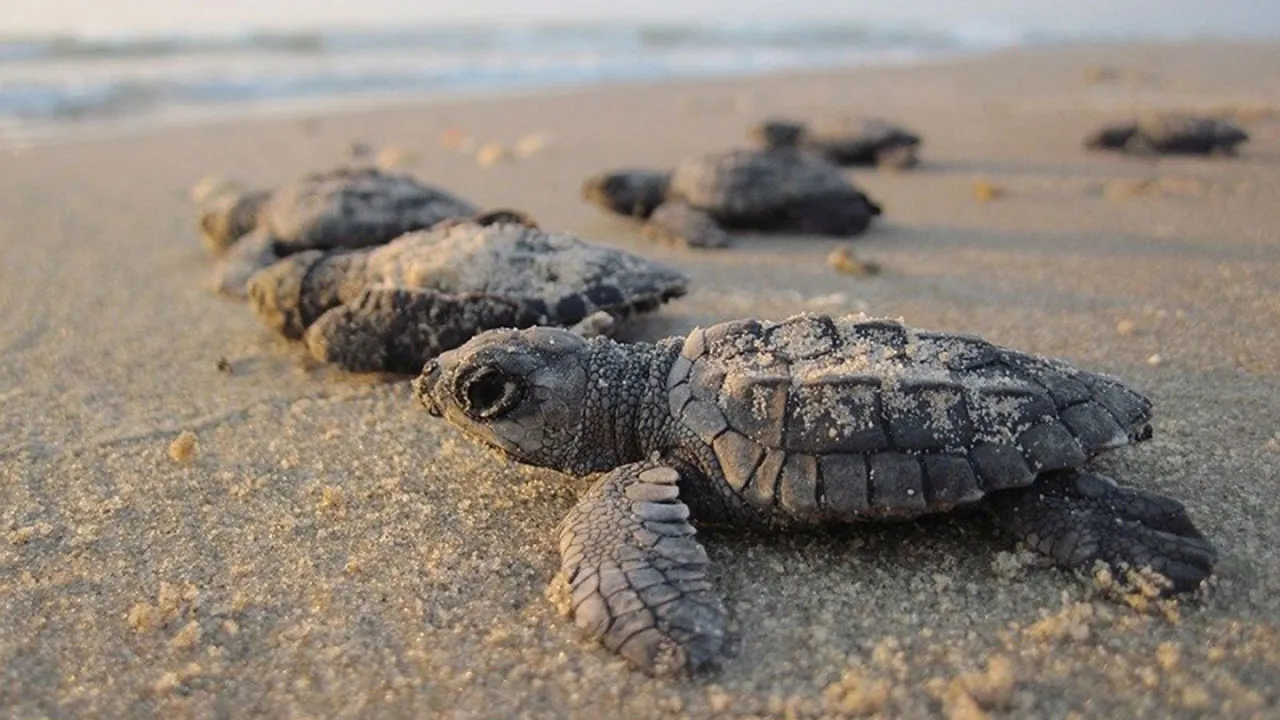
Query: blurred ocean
point(49, 86)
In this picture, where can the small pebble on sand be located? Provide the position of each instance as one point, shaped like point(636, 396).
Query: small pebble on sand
point(455, 139)
point(532, 144)
point(842, 260)
point(985, 191)
point(492, 154)
point(183, 448)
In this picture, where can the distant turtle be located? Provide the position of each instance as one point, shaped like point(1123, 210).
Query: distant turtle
point(812, 421)
point(1171, 134)
point(391, 308)
point(342, 208)
point(782, 190)
point(844, 141)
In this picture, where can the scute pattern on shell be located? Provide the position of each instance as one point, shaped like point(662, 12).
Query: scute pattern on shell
point(820, 417)
point(751, 183)
point(571, 277)
point(355, 207)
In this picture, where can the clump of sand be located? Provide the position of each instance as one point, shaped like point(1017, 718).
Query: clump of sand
point(986, 191)
point(184, 447)
point(844, 261)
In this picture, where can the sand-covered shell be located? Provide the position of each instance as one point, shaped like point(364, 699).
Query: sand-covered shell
point(1173, 133)
point(843, 418)
point(746, 184)
point(571, 277)
point(463, 277)
point(844, 140)
point(354, 207)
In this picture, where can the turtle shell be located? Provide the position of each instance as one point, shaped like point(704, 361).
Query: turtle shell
point(563, 277)
point(874, 132)
point(743, 185)
point(354, 208)
point(1190, 133)
point(848, 418)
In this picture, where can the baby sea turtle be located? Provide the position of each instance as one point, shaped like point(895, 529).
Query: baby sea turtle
point(844, 141)
point(1172, 134)
point(811, 421)
point(348, 207)
point(391, 308)
point(783, 190)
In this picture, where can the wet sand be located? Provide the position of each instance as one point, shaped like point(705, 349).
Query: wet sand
point(317, 546)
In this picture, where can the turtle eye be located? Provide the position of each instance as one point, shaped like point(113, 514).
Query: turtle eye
point(488, 392)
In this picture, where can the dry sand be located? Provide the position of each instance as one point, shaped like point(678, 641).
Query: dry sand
point(195, 521)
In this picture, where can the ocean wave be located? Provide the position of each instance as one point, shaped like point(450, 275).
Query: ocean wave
point(68, 79)
point(511, 37)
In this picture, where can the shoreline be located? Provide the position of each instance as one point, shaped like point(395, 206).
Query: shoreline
point(15, 137)
point(324, 548)
point(59, 131)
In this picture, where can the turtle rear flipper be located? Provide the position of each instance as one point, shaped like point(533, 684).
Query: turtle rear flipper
point(680, 223)
point(394, 329)
point(637, 574)
point(1079, 518)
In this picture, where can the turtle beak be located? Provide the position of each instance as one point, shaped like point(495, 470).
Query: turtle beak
point(424, 387)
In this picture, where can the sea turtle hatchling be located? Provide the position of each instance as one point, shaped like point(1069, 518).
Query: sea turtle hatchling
point(392, 307)
point(1171, 134)
point(810, 421)
point(780, 190)
point(347, 207)
point(844, 141)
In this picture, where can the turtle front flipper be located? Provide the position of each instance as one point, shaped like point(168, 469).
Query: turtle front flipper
point(394, 329)
point(638, 576)
point(1079, 518)
point(598, 324)
point(679, 223)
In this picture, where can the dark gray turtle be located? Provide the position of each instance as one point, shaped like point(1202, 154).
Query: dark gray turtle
point(342, 208)
point(391, 308)
point(844, 141)
point(1170, 134)
point(782, 190)
point(811, 421)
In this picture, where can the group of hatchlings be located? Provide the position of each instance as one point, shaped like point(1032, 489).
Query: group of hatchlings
point(810, 421)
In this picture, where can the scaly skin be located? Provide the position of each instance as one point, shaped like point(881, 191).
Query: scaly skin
point(549, 398)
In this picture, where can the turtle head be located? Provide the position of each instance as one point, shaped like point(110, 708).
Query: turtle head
point(1112, 137)
point(227, 214)
point(523, 392)
point(627, 192)
point(776, 133)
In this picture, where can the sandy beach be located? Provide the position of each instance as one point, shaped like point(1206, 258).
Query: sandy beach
point(327, 549)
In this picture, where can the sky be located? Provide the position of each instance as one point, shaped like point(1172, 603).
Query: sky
point(1147, 17)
